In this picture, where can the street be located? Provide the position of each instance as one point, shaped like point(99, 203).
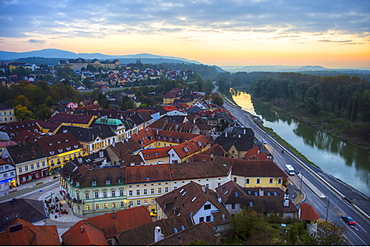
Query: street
point(328, 202)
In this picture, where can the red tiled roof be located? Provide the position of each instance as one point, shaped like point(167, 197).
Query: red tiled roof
point(71, 118)
point(82, 234)
point(307, 212)
point(30, 235)
point(137, 174)
point(155, 153)
point(192, 146)
point(124, 219)
point(255, 154)
point(26, 136)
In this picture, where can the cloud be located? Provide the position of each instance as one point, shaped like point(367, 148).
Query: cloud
point(97, 18)
point(36, 41)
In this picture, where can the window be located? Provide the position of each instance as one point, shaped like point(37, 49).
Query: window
point(207, 206)
point(165, 189)
point(208, 218)
point(159, 190)
point(113, 193)
point(145, 192)
point(279, 181)
point(121, 193)
point(182, 227)
point(138, 192)
point(20, 169)
point(175, 230)
point(32, 167)
point(78, 195)
point(97, 206)
point(88, 207)
point(271, 180)
point(43, 164)
point(247, 181)
point(130, 192)
point(105, 194)
point(233, 206)
point(37, 165)
point(122, 204)
point(258, 181)
point(113, 204)
point(120, 180)
point(151, 191)
point(107, 182)
point(131, 203)
point(26, 168)
point(87, 196)
point(93, 183)
point(96, 194)
point(138, 203)
point(105, 205)
point(201, 219)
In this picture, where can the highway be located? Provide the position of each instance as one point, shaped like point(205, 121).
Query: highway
point(326, 200)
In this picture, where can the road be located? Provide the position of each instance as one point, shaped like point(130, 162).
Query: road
point(324, 199)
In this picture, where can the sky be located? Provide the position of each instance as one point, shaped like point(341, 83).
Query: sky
point(330, 33)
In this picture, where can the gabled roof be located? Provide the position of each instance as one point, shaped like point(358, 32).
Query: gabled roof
point(26, 209)
point(230, 192)
point(84, 234)
point(113, 223)
point(190, 147)
point(307, 212)
point(71, 118)
point(14, 128)
point(88, 135)
point(139, 174)
point(60, 143)
point(23, 233)
point(202, 231)
point(255, 168)
point(187, 199)
point(255, 154)
point(242, 142)
point(134, 236)
point(268, 204)
point(51, 126)
point(25, 152)
point(155, 153)
point(26, 136)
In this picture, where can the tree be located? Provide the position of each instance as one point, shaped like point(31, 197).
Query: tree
point(217, 99)
point(329, 233)
point(22, 112)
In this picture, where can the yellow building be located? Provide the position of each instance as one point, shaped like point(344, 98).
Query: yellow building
point(7, 114)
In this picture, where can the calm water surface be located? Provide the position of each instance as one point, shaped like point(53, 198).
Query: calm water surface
point(344, 161)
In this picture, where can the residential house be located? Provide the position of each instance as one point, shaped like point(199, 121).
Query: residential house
point(166, 227)
point(93, 139)
point(29, 160)
point(26, 209)
point(59, 149)
point(14, 128)
point(7, 114)
point(220, 121)
point(102, 229)
point(309, 214)
point(266, 199)
point(171, 95)
point(236, 145)
point(23, 233)
point(116, 125)
point(202, 232)
point(201, 203)
point(7, 176)
point(5, 144)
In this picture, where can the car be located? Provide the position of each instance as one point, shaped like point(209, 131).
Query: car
point(153, 213)
point(264, 141)
point(349, 220)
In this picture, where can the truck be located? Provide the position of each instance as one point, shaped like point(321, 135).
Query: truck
point(289, 169)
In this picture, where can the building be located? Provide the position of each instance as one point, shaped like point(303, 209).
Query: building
point(201, 203)
point(7, 114)
point(7, 176)
point(171, 95)
point(23, 233)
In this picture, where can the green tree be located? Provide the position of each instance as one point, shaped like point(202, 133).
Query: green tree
point(22, 112)
point(217, 99)
point(329, 233)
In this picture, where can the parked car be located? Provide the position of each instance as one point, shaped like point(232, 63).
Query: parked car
point(349, 220)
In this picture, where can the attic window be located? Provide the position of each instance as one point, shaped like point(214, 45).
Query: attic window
point(60, 150)
point(58, 142)
point(156, 154)
point(181, 190)
point(182, 227)
point(107, 182)
point(93, 183)
point(250, 204)
point(236, 194)
point(147, 155)
point(175, 230)
point(275, 194)
point(75, 146)
point(147, 178)
point(268, 193)
point(50, 144)
point(226, 192)
point(68, 148)
point(186, 149)
point(184, 193)
point(51, 152)
point(66, 140)
point(192, 200)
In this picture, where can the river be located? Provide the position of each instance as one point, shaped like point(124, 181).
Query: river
point(340, 159)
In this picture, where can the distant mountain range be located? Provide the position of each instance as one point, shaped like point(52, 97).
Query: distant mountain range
point(298, 69)
point(56, 53)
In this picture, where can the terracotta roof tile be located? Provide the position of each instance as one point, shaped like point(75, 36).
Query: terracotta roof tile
point(139, 174)
point(307, 212)
point(82, 234)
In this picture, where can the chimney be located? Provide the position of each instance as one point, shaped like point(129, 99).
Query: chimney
point(158, 234)
point(225, 134)
point(286, 199)
point(261, 192)
point(245, 131)
point(113, 215)
point(204, 189)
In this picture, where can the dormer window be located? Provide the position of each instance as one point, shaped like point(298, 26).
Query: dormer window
point(120, 181)
point(93, 183)
point(60, 150)
point(107, 182)
point(75, 146)
point(51, 152)
point(77, 184)
point(50, 144)
point(68, 148)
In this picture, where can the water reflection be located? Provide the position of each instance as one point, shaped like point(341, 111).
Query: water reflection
point(342, 160)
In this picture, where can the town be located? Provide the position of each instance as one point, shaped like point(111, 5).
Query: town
point(180, 170)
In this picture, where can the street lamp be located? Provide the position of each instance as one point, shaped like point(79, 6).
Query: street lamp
point(327, 210)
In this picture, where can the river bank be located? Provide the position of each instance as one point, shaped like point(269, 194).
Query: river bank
point(324, 122)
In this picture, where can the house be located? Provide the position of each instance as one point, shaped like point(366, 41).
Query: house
point(102, 229)
point(168, 227)
point(201, 203)
point(308, 213)
point(116, 125)
point(202, 232)
point(171, 95)
point(220, 120)
point(236, 145)
point(14, 128)
point(7, 176)
point(268, 200)
point(93, 139)
point(7, 114)
point(23, 233)
point(256, 154)
point(59, 149)
point(26, 209)
point(83, 121)
point(29, 160)
point(68, 103)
